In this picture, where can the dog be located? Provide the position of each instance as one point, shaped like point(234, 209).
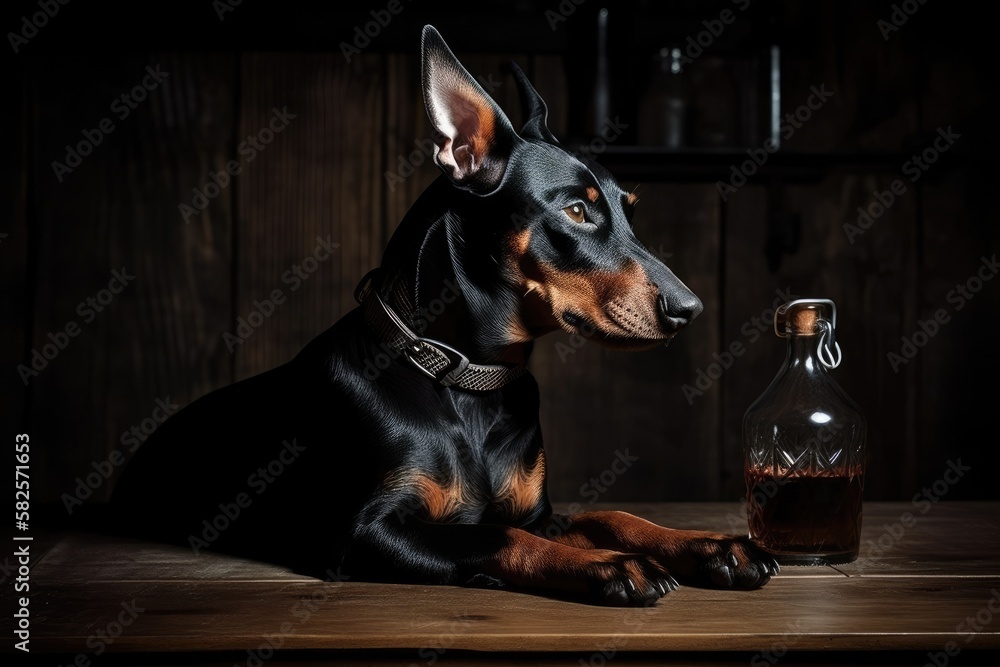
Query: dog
point(403, 444)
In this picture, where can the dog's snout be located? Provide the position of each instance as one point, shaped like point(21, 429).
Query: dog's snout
point(677, 311)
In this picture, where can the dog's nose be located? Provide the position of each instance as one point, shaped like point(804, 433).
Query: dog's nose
point(677, 311)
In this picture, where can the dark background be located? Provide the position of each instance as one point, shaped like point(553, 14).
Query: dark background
point(324, 175)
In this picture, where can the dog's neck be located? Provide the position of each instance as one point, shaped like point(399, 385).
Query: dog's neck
point(443, 275)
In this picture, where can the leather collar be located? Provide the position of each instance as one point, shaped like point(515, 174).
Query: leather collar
point(438, 361)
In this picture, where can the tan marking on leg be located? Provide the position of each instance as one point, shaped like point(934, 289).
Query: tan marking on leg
point(523, 488)
point(440, 501)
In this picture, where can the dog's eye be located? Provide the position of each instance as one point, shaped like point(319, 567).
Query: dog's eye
point(576, 213)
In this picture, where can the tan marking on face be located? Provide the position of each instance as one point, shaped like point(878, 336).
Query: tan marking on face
point(517, 247)
point(519, 243)
point(592, 194)
point(523, 488)
point(620, 305)
point(440, 501)
point(631, 199)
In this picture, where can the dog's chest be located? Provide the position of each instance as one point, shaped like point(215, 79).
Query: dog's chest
point(475, 487)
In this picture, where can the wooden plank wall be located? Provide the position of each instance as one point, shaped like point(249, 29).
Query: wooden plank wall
point(158, 339)
point(323, 176)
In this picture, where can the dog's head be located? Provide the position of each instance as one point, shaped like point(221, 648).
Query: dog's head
point(566, 245)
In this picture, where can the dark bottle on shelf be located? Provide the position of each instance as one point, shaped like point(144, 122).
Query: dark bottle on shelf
point(599, 111)
point(804, 446)
point(714, 107)
point(663, 109)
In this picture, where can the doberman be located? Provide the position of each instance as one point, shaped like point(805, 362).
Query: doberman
point(403, 444)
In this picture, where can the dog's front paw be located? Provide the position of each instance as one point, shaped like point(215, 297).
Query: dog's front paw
point(732, 562)
point(620, 580)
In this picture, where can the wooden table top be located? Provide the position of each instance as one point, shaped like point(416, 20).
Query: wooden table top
point(913, 588)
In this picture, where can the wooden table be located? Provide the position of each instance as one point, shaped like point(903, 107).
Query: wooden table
point(909, 594)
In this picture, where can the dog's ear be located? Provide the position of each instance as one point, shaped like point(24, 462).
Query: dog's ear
point(476, 137)
point(534, 108)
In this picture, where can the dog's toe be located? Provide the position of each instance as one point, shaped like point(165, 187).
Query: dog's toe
point(736, 562)
point(719, 573)
point(754, 566)
point(666, 584)
point(632, 580)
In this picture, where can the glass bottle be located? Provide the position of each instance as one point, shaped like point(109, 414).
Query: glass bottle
point(804, 446)
point(663, 109)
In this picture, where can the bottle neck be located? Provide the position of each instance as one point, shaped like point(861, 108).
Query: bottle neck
point(802, 354)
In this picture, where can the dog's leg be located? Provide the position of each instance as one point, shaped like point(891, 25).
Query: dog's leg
point(726, 561)
point(459, 554)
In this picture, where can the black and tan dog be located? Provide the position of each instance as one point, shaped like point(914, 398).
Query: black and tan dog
point(403, 444)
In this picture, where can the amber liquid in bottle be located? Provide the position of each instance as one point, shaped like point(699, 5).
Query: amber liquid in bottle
point(806, 514)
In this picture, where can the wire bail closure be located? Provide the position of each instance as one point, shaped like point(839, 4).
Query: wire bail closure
point(829, 352)
point(825, 352)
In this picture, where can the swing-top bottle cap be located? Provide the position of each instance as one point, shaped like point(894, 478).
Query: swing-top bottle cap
point(802, 317)
point(811, 317)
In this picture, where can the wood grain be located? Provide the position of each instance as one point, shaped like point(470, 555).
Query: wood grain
point(160, 336)
point(319, 178)
point(945, 573)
